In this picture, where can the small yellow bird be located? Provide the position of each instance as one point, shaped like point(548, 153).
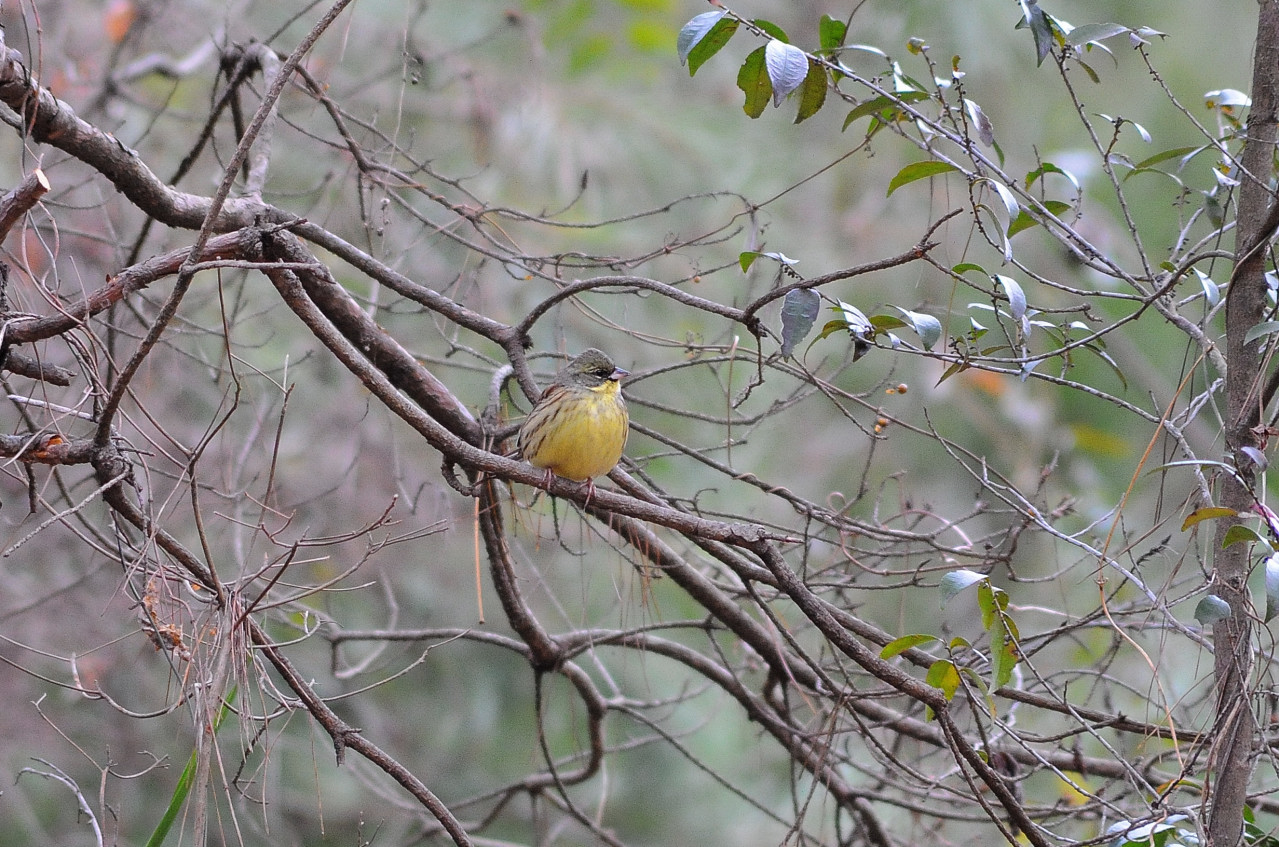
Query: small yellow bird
point(579, 426)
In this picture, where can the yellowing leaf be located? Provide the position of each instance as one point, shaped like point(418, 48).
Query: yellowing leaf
point(906, 642)
point(944, 675)
point(1207, 513)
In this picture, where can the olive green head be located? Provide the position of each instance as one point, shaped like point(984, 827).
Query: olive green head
point(590, 369)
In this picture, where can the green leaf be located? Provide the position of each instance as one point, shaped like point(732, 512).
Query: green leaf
point(987, 602)
point(1261, 329)
point(832, 327)
point(1212, 207)
point(1240, 534)
point(694, 31)
point(748, 257)
point(182, 790)
point(752, 79)
point(900, 645)
point(1207, 513)
point(772, 30)
point(1003, 651)
point(812, 92)
point(1211, 609)
point(965, 267)
point(887, 109)
point(956, 581)
point(1049, 168)
point(958, 367)
point(831, 33)
point(702, 37)
point(1025, 221)
point(1174, 153)
point(787, 68)
point(800, 308)
point(1254, 835)
point(917, 171)
point(180, 793)
point(887, 323)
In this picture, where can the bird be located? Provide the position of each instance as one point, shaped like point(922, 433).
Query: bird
point(578, 427)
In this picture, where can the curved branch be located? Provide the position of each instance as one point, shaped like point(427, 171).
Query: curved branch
point(915, 253)
point(751, 323)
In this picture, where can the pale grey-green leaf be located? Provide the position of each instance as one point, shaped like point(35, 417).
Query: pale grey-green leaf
point(926, 326)
point(1272, 586)
point(1262, 329)
point(1226, 97)
point(1212, 292)
point(694, 31)
point(1085, 33)
point(956, 581)
point(1016, 297)
point(1211, 609)
point(787, 66)
point(800, 308)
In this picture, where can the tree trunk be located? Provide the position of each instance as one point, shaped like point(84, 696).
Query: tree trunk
point(1235, 738)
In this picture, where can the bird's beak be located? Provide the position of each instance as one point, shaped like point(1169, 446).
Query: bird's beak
point(618, 373)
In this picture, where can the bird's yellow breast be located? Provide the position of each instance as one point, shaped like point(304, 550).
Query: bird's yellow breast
point(586, 437)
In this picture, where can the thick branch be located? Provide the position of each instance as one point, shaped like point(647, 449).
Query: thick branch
point(21, 199)
point(47, 120)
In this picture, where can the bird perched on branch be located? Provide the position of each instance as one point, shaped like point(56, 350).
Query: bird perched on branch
point(579, 426)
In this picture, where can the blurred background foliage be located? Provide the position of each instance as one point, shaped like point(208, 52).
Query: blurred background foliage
point(578, 111)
